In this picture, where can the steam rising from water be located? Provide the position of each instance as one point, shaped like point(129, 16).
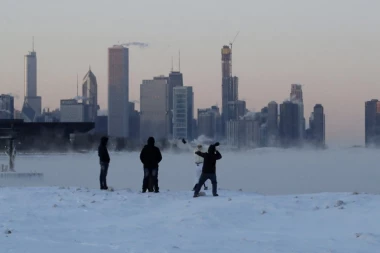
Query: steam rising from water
point(267, 171)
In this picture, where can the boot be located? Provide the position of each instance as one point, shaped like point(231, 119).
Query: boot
point(214, 189)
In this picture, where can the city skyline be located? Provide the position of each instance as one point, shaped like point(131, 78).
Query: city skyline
point(332, 49)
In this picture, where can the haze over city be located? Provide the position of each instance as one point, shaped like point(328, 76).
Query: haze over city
point(332, 48)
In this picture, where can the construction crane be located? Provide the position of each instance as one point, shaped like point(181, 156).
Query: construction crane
point(231, 44)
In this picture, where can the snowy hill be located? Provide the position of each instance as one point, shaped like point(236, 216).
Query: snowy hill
point(74, 220)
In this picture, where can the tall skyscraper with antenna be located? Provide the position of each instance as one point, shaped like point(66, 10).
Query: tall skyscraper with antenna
point(175, 80)
point(32, 102)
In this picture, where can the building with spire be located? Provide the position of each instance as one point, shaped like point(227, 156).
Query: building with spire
point(32, 102)
point(90, 95)
point(229, 87)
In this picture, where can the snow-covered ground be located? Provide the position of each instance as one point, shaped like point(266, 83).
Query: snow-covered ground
point(75, 220)
point(291, 201)
point(265, 171)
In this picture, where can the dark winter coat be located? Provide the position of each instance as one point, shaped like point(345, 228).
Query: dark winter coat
point(209, 160)
point(150, 155)
point(104, 157)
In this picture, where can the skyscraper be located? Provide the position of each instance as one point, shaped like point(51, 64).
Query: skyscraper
point(372, 122)
point(154, 108)
point(7, 109)
point(229, 86)
point(319, 125)
point(236, 109)
point(296, 96)
point(30, 78)
point(32, 102)
point(175, 80)
point(90, 95)
point(183, 112)
point(207, 122)
point(118, 91)
point(289, 124)
point(272, 122)
point(296, 93)
point(134, 122)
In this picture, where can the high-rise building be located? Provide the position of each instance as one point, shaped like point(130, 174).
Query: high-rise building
point(229, 86)
point(72, 111)
point(318, 125)
point(175, 80)
point(30, 78)
point(118, 91)
point(154, 108)
point(236, 109)
point(218, 122)
point(296, 96)
point(289, 124)
point(183, 112)
point(207, 122)
point(101, 125)
point(272, 122)
point(134, 122)
point(372, 122)
point(7, 108)
point(32, 103)
point(90, 95)
point(233, 89)
point(296, 93)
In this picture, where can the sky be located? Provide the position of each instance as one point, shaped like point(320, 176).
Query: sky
point(331, 47)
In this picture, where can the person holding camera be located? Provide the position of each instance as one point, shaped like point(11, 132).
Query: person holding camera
point(209, 169)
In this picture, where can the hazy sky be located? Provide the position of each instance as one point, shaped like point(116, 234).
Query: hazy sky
point(330, 46)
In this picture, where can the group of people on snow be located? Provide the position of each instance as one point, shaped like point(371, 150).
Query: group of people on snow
point(150, 157)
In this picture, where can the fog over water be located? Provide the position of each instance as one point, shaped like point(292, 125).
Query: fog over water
point(266, 171)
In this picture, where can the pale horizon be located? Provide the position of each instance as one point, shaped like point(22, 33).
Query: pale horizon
point(332, 48)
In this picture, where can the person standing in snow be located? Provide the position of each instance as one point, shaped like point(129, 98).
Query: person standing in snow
point(150, 157)
point(104, 162)
point(198, 167)
point(198, 164)
point(209, 169)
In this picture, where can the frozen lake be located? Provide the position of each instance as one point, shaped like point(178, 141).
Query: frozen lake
point(266, 171)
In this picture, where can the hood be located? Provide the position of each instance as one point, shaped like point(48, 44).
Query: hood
point(104, 141)
point(211, 149)
point(151, 141)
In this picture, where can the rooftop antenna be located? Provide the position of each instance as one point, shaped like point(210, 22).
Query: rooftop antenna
point(77, 86)
point(179, 60)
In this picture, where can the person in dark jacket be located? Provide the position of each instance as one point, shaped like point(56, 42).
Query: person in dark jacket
point(104, 159)
point(150, 157)
point(209, 169)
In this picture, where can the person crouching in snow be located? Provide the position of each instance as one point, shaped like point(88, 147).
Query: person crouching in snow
point(209, 169)
point(150, 157)
point(104, 162)
point(198, 167)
